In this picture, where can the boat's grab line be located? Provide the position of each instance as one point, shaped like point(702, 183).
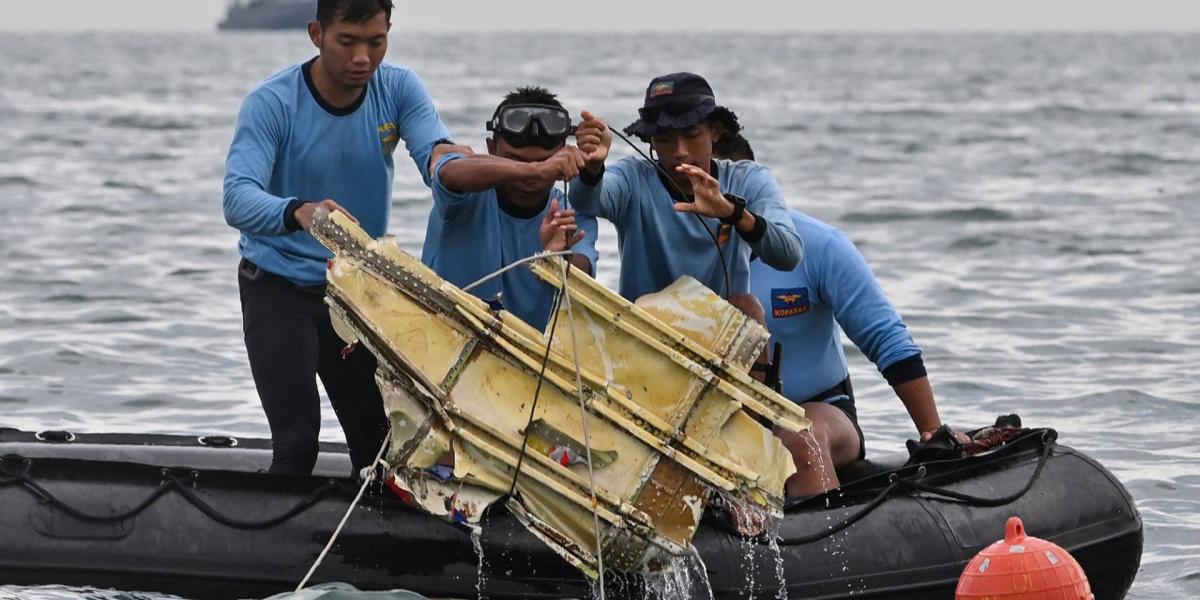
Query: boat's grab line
point(169, 482)
point(896, 482)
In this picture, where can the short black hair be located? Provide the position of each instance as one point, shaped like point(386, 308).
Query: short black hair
point(353, 11)
point(530, 94)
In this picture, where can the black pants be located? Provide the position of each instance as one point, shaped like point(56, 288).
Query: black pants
point(290, 342)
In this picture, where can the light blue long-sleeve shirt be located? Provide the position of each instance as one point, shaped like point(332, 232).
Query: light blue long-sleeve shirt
point(470, 236)
point(287, 146)
point(833, 286)
point(659, 245)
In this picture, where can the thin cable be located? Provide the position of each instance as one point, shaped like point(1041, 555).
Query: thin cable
point(583, 414)
point(368, 477)
point(512, 486)
point(587, 438)
point(512, 266)
point(536, 394)
point(679, 190)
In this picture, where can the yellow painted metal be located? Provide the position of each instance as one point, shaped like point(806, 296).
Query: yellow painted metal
point(664, 392)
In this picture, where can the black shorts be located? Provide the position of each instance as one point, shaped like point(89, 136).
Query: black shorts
point(846, 405)
point(844, 392)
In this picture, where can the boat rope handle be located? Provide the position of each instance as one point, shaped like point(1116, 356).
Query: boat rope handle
point(368, 475)
point(898, 482)
point(172, 483)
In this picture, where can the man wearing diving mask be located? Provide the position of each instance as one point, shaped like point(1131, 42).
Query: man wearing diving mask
point(490, 210)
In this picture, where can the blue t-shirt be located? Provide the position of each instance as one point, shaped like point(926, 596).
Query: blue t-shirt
point(833, 283)
point(470, 236)
point(288, 146)
point(659, 245)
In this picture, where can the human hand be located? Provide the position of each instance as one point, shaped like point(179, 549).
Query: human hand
point(306, 213)
point(563, 166)
point(594, 139)
point(709, 201)
point(558, 230)
point(958, 435)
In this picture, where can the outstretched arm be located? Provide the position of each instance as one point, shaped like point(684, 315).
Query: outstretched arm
point(478, 172)
point(419, 124)
point(847, 285)
point(917, 396)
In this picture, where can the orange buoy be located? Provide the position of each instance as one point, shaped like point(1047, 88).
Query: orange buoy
point(1023, 568)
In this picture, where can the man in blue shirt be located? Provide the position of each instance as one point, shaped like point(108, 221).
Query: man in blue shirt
point(319, 135)
point(495, 209)
point(735, 208)
point(803, 309)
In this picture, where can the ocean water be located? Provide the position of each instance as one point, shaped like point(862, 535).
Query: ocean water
point(1030, 202)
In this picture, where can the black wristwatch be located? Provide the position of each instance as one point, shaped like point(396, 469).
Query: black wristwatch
point(739, 208)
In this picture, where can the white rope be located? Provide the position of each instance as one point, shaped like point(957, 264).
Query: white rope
point(514, 265)
point(583, 415)
point(587, 438)
point(368, 475)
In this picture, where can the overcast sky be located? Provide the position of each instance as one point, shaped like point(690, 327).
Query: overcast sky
point(754, 15)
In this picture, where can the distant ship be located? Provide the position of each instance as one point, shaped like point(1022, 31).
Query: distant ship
point(269, 14)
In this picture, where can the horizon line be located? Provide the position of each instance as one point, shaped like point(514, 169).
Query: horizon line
point(885, 31)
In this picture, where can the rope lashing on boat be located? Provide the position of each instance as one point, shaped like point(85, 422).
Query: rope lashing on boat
point(897, 483)
point(183, 487)
point(368, 475)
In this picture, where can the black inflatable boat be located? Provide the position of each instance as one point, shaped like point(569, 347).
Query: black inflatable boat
point(197, 517)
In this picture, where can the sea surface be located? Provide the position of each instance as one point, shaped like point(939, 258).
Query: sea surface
point(1031, 203)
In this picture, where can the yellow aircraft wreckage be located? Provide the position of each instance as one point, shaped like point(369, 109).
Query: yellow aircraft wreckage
point(655, 392)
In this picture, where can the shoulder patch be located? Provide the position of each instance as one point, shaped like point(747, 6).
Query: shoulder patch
point(389, 137)
point(789, 302)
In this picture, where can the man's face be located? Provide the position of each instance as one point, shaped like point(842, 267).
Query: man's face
point(524, 192)
point(351, 52)
point(691, 146)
